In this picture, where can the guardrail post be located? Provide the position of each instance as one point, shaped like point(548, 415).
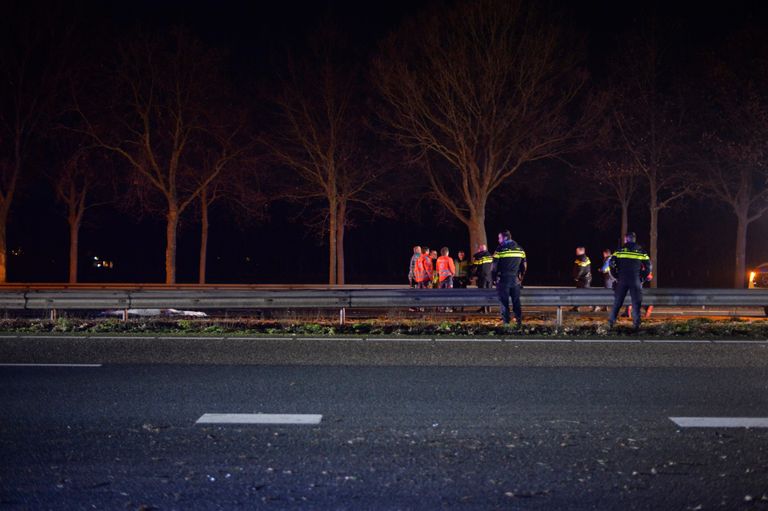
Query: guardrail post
point(54, 314)
point(342, 316)
point(559, 316)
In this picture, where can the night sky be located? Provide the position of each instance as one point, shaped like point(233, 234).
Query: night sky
point(696, 238)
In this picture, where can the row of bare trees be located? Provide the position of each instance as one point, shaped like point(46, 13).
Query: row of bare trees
point(470, 94)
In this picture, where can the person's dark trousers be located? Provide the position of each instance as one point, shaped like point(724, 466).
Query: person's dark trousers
point(635, 290)
point(509, 288)
point(484, 284)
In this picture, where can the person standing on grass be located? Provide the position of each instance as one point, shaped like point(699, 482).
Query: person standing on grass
point(631, 267)
point(509, 267)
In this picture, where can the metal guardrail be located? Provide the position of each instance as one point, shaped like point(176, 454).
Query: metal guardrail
point(342, 298)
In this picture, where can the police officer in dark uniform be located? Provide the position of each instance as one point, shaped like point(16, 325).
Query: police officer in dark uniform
point(582, 269)
point(482, 266)
point(509, 266)
point(482, 263)
point(631, 266)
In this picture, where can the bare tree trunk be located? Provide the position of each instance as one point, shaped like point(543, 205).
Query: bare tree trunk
point(654, 232)
point(203, 235)
point(624, 221)
point(340, 226)
point(333, 220)
point(3, 243)
point(742, 224)
point(172, 219)
point(74, 237)
point(477, 234)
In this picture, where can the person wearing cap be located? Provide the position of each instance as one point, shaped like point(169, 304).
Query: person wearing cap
point(631, 267)
point(509, 267)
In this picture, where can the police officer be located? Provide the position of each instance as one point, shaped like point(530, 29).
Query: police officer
point(582, 268)
point(509, 266)
point(482, 269)
point(582, 271)
point(482, 263)
point(631, 266)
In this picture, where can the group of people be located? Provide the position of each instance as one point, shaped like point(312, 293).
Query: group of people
point(506, 267)
point(625, 271)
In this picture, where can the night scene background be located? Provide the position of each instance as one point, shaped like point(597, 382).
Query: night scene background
point(402, 117)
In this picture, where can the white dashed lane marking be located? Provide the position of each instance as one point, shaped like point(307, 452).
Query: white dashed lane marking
point(721, 422)
point(258, 418)
point(50, 365)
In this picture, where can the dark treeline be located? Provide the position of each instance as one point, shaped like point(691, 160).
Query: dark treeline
point(188, 145)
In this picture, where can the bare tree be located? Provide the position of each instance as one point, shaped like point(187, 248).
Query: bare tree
point(616, 184)
point(165, 92)
point(649, 116)
point(74, 184)
point(475, 92)
point(31, 59)
point(318, 134)
point(235, 183)
point(735, 159)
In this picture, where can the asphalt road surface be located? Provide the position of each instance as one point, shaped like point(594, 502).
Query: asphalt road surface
point(397, 425)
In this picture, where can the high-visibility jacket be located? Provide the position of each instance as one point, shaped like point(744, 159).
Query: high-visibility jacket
point(631, 264)
point(509, 260)
point(582, 269)
point(422, 270)
point(445, 267)
point(462, 268)
point(482, 263)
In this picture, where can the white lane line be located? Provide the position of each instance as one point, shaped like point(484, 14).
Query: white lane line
point(756, 341)
point(50, 365)
point(258, 418)
point(677, 341)
point(720, 422)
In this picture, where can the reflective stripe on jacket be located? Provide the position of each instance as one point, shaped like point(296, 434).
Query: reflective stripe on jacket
point(422, 270)
point(445, 267)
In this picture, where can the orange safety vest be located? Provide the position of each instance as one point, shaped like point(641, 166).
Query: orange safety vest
point(445, 267)
point(422, 270)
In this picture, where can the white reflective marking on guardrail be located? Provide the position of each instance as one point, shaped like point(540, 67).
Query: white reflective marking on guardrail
point(258, 418)
point(720, 422)
point(466, 339)
point(508, 339)
point(50, 365)
point(609, 341)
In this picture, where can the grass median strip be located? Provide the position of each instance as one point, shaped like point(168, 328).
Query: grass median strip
point(427, 328)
